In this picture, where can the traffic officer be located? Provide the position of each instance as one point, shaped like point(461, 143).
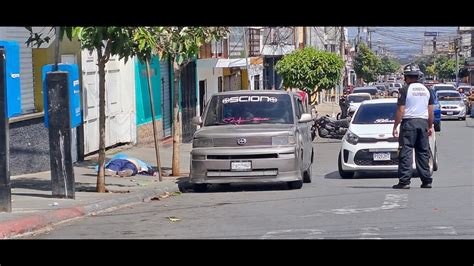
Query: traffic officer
point(415, 113)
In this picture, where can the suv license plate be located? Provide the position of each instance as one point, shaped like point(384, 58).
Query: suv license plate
point(241, 166)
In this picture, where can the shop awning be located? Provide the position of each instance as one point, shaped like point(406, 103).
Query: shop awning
point(238, 62)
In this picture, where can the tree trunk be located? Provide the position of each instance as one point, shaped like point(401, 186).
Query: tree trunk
point(155, 130)
point(101, 174)
point(176, 120)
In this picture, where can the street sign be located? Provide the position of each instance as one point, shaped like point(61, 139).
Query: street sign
point(431, 33)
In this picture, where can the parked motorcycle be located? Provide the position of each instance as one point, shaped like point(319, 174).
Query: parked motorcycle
point(330, 128)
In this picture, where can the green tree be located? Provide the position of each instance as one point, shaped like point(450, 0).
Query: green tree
point(181, 45)
point(424, 62)
point(445, 67)
point(366, 64)
point(310, 70)
point(388, 66)
point(430, 70)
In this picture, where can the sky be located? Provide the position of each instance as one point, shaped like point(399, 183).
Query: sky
point(403, 42)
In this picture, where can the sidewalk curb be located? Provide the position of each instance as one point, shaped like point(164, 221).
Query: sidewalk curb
point(29, 224)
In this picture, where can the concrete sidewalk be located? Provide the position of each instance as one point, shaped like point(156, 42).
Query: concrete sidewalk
point(33, 207)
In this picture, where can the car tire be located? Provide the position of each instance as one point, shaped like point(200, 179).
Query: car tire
point(295, 184)
point(200, 188)
point(462, 118)
point(307, 175)
point(342, 173)
point(394, 94)
point(309, 172)
point(437, 126)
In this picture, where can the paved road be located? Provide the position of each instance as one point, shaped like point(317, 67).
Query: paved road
point(330, 207)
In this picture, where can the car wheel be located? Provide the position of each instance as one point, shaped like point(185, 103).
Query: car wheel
point(309, 172)
point(295, 184)
point(435, 161)
point(342, 173)
point(307, 175)
point(463, 118)
point(200, 187)
point(394, 94)
point(437, 127)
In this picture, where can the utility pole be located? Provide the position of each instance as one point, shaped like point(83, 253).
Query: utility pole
point(369, 37)
point(301, 37)
point(357, 42)
point(456, 54)
point(247, 57)
point(342, 49)
point(472, 43)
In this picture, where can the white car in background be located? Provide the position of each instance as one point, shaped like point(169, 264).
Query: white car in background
point(452, 104)
point(443, 87)
point(369, 146)
point(356, 99)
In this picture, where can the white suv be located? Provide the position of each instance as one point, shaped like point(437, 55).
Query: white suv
point(369, 145)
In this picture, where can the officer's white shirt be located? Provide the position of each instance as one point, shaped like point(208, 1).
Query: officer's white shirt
point(416, 98)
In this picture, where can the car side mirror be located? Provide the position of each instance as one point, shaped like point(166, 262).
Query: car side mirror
point(197, 121)
point(305, 118)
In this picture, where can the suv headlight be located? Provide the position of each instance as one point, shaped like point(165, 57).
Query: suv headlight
point(283, 140)
point(202, 142)
point(461, 104)
point(351, 138)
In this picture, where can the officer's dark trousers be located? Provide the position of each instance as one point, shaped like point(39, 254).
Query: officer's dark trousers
point(414, 135)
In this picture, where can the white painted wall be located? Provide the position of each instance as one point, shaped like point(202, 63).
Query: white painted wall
point(207, 71)
point(254, 71)
point(120, 102)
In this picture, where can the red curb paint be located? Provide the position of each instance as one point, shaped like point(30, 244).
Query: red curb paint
point(38, 221)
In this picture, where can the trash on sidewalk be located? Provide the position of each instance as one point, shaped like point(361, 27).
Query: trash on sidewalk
point(173, 219)
point(124, 166)
point(166, 195)
point(54, 204)
point(116, 191)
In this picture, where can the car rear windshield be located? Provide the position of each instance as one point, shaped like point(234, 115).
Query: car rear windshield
point(357, 98)
point(372, 91)
point(444, 88)
point(449, 96)
point(249, 109)
point(376, 113)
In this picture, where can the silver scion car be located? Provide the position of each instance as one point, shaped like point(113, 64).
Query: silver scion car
point(252, 137)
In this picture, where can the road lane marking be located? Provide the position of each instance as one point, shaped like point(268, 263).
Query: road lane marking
point(294, 234)
point(447, 230)
point(369, 233)
point(392, 201)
